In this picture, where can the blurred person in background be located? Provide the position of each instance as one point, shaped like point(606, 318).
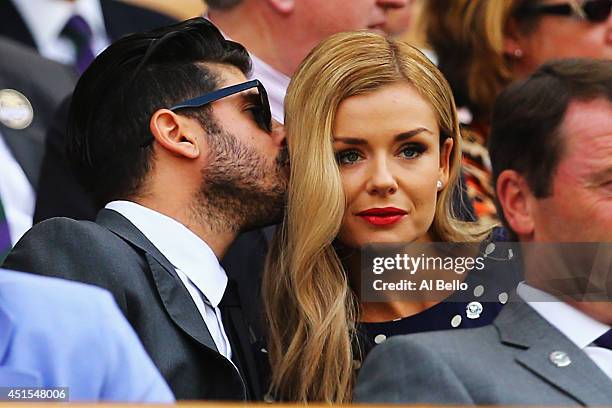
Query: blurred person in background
point(31, 88)
point(55, 333)
point(483, 45)
point(280, 33)
point(73, 32)
point(183, 155)
point(375, 152)
point(551, 345)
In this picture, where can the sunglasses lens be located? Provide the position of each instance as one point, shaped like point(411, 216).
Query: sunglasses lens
point(597, 10)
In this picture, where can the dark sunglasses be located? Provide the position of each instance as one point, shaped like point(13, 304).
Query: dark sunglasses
point(594, 11)
point(261, 113)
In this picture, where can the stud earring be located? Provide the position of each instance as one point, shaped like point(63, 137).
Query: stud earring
point(518, 53)
point(439, 185)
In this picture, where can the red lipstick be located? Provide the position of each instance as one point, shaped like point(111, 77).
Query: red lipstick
point(382, 216)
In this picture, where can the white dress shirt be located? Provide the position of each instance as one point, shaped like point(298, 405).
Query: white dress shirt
point(46, 20)
point(194, 261)
point(579, 328)
point(17, 194)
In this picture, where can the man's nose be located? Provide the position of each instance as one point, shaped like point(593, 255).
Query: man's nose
point(395, 4)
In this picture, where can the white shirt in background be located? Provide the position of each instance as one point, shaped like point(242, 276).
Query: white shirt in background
point(46, 20)
point(17, 194)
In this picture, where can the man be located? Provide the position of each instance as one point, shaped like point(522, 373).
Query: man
point(31, 88)
point(551, 150)
point(94, 353)
point(73, 32)
point(280, 33)
point(181, 178)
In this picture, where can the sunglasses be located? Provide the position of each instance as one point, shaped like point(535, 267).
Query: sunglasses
point(261, 113)
point(595, 11)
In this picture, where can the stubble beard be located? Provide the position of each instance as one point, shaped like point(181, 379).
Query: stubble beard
point(240, 191)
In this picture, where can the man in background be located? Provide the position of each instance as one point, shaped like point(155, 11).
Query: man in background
point(551, 150)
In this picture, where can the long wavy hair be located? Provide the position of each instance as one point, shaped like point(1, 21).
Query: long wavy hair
point(311, 310)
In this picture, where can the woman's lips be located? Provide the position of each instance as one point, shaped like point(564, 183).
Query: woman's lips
point(382, 216)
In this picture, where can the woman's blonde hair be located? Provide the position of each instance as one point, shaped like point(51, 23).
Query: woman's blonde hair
point(468, 39)
point(310, 307)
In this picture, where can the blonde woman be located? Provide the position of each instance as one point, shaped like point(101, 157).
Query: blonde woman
point(375, 152)
point(483, 45)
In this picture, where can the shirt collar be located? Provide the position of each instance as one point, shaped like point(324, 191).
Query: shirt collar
point(55, 14)
point(185, 250)
point(578, 327)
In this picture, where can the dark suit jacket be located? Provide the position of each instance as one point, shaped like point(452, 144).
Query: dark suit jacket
point(45, 83)
point(112, 253)
point(506, 363)
point(120, 19)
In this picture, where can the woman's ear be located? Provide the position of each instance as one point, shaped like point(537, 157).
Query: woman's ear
point(175, 133)
point(514, 194)
point(445, 155)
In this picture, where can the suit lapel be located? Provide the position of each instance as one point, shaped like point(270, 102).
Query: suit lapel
point(27, 148)
point(175, 298)
point(520, 325)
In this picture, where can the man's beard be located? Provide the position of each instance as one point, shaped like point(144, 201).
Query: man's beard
point(241, 190)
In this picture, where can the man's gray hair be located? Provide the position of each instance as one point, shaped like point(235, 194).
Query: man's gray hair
point(222, 4)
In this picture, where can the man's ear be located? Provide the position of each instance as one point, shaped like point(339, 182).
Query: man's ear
point(282, 6)
point(514, 196)
point(175, 133)
point(445, 153)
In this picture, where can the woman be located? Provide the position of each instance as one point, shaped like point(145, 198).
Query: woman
point(483, 45)
point(375, 151)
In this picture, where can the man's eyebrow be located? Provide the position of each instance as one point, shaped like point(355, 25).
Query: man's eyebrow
point(356, 141)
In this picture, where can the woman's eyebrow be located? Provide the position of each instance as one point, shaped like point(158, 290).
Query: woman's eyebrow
point(355, 141)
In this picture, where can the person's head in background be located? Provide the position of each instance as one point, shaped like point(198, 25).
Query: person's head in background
point(551, 151)
point(371, 126)
point(483, 45)
point(215, 167)
point(282, 32)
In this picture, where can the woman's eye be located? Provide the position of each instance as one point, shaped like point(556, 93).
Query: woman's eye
point(412, 151)
point(348, 157)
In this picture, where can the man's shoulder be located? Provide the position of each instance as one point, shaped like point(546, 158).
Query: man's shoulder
point(40, 301)
point(449, 346)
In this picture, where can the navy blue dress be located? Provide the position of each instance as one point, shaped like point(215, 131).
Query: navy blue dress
point(489, 292)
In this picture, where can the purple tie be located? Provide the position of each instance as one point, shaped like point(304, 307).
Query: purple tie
point(5, 238)
point(605, 340)
point(78, 31)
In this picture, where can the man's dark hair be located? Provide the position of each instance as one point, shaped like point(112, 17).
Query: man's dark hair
point(526, 134)
point(109, 141)
point(222, 4)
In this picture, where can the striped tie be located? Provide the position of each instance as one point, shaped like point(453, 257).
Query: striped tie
point(78, 31)
point(5, 238)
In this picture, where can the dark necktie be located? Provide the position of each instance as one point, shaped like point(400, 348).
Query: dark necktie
point(605, 340)
point(240, 337)
point(79, 33)
point(5, 237)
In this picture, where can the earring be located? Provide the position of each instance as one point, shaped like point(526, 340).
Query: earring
point(439, 185)
point(518, 53)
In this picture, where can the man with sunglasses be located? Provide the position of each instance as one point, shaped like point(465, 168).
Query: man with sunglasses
point(551, 29)
point(180, 149)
